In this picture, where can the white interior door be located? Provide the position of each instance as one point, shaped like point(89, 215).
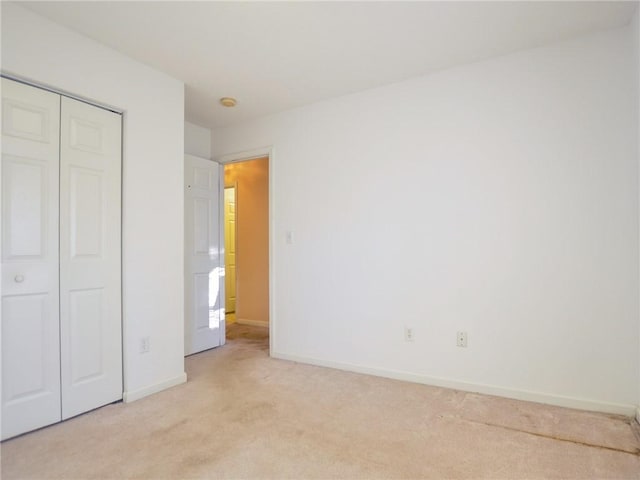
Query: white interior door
point(204, 256)
point(30, 321)
point(90, 257)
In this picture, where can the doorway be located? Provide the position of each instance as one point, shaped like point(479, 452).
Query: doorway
point(208, 312)
point(246, 224)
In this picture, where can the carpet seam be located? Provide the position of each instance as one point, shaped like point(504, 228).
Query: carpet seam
point(635, 452)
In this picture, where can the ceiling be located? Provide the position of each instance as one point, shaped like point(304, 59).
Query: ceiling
point(280, 55)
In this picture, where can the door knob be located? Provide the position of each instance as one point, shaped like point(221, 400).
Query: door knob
point(19, 279)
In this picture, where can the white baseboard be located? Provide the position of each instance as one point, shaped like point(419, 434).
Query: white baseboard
point(134, 395)
point(253, 323)
point(558, 400)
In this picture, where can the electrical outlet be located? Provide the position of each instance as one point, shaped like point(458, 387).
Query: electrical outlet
point(461, 339)
point(145, 344)
point(408, 334)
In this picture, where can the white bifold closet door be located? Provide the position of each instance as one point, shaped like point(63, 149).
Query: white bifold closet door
point(30, 289)
point(61, 267)
point(90, 245)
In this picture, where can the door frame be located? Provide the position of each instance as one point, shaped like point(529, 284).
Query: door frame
point(243, 156)
point(64, 93)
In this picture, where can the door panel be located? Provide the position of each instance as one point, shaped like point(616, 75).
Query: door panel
point(204, 301)
point(86, 217)
point(90, 289)
point(202, 225)
point(25, 207)
point(86, 321)
point(30, 319)
point(26, 317)
point(24, 119)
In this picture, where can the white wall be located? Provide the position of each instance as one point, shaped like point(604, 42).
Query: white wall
point(499, 198)
point(153, 154)
point(197, 140)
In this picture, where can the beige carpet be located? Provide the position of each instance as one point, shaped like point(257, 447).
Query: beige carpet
point(244, 415)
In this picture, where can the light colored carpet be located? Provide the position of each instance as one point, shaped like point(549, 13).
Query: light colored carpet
point(245, 415)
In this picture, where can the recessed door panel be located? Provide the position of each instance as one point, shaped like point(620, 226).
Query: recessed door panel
point(86, 320)
point(202, 178)
point(90, 299)
point(26, 120)
point(30, 319)
point(86, 212)
point(24, 208)
point(25, 316)
point(201, 225)
point(201, 292)
point(86, 135)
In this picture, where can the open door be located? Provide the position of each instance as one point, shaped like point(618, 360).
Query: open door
point(204, 256)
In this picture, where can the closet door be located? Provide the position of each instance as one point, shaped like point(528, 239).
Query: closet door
point(90, 257)
point(30, 321)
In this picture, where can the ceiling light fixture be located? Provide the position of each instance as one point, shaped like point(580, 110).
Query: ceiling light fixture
point(228, 101)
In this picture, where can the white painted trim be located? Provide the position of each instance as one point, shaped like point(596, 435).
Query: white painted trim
point(58, 91)
point(246, 155)
point(526, 395)
point(272, 260)
point(253, 323)
point(129, 397)
point(638, 414)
